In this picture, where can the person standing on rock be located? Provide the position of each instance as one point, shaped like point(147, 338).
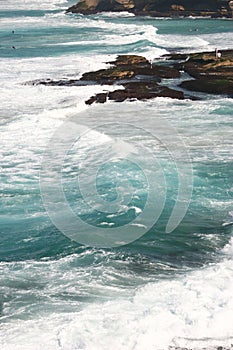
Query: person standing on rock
point(217, 54)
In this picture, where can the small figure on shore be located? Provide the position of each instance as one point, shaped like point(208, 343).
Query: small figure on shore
point(217, 54)
point(151, 63)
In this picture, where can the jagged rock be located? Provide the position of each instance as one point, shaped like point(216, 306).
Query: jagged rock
point(141, 79)
point(138, 91)
point(100, 98)
point(127, 60)
point(126, 67)
point(212, 75)
point(108, 76)
point(164, 8)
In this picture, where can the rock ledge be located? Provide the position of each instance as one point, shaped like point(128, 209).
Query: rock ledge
point(157, 8)
point(142, 80)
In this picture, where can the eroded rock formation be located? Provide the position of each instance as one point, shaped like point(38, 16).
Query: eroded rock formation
point(135, 78)
point(164, 8)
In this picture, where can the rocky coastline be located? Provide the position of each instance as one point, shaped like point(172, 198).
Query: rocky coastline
point(157, 8)
point(135, 78)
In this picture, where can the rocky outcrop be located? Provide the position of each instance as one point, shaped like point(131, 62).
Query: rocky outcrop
point(212, 75)
point(138, 76)
point(142, 80)
point(137, 91)
point(164, 8)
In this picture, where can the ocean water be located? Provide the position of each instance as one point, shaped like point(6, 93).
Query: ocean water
point(116, 219)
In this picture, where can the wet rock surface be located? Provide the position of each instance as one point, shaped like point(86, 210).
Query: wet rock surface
point(135, 78)
point(157, 8)
point(212, 75)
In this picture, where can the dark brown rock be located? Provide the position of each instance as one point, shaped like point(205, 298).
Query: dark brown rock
point(108, 76)
point(139, 91)
point(138, 76)
point(212, 75)
point(99, 98)
point(164, 8)
point(142, 91)
point(127, 67)
point(215, 86)
point(127, 60)
point(141, 79)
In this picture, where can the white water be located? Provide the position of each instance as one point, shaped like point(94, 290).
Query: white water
point(193, 310)
point(44, 305)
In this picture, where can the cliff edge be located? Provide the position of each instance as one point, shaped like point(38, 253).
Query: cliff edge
point(158, 8)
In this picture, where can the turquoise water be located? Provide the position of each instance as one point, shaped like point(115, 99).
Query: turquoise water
point(122, 170)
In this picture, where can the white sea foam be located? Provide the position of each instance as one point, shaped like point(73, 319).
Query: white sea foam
point(193, 310)
point(107, 223)
point(216, 40)
point(138, 225)
point(136, 209)
point(183, 42)
point(116, 14)
point(31, 5)
point(228, 249)
point(52, 298)
point(28, 99)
